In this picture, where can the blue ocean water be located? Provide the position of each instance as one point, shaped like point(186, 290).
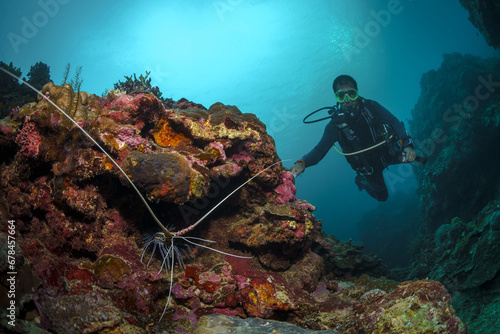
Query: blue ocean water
point(276, 59)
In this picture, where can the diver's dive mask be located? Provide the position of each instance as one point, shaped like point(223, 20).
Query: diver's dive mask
point(351, 94)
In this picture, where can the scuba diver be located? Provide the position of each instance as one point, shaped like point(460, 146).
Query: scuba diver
point(370, 136)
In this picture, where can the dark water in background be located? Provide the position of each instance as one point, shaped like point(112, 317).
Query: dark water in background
point(273, 58)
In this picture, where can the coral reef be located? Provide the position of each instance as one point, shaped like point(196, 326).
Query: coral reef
point(456, 125)
point(80, 226)
point(484, 15)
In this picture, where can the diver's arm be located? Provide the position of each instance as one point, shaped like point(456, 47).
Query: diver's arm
point(387, 117)
point(330, 136)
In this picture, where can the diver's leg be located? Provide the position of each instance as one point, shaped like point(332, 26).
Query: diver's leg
point(374, 185)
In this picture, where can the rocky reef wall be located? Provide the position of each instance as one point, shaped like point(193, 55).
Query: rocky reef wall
point(485, 15)
point(80, 228)
point(456, 125)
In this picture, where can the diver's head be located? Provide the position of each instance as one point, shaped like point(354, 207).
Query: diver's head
point(346, 91)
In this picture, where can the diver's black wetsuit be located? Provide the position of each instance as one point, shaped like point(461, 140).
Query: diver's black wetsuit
point(365, 128)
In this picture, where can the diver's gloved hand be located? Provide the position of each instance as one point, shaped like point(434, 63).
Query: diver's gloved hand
point(298, 168)
point(409, 154)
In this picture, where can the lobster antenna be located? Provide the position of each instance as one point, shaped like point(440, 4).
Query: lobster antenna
point(215, 207)
point(97, 144)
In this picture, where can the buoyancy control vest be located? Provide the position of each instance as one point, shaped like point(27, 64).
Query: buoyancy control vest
point(359, 129)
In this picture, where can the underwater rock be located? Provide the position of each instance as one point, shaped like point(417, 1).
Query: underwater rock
point(362, 305)
point(456, 125)
point(89, 313)
point(218, 323)
point(277, 238)
point(484, 15)
point(341, 258)
point(165, 176)
point(421, 306)
point(81, 228)
point(411, 307)
point(468, 253)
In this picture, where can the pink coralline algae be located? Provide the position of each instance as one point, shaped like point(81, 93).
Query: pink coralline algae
point(217, 149)
point(55, 119)
point(81, 227)
point(242, 155)
point(287, 189)
point(128, 136)
point(227, 170)
point(28, 139)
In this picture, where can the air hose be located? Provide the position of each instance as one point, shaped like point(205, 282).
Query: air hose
point(331, 110)
point(361, 151)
